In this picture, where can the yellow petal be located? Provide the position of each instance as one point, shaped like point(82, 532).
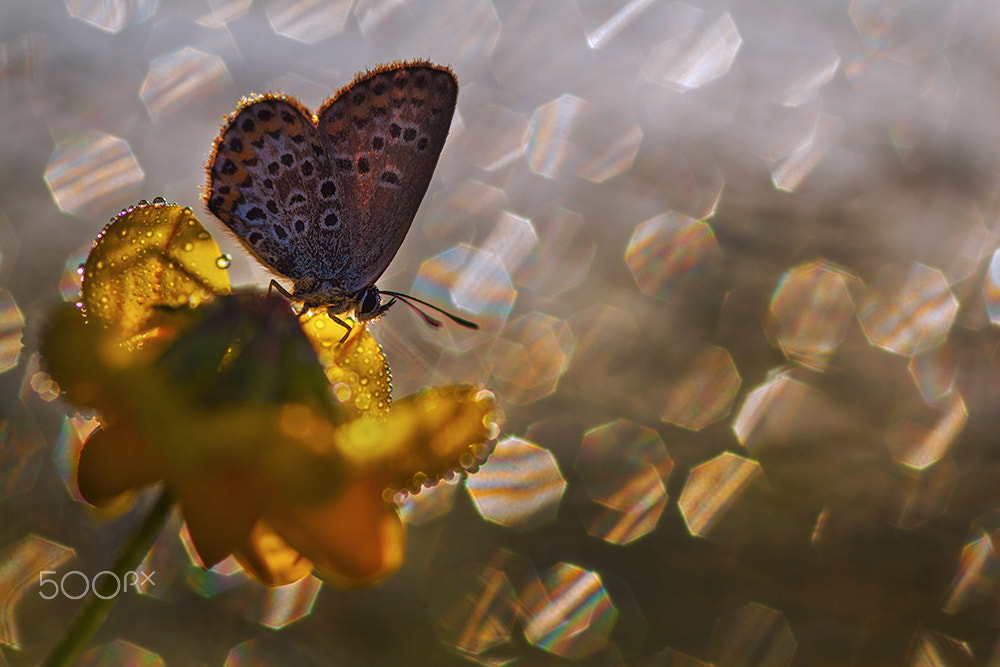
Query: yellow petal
point(220, 510)
point(357, 369)
point(426, 436)
point(354, 539)
point(151, 255)
point(113, 463)
point(267, 558)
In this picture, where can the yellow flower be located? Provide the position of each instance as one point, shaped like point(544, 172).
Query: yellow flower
point(274, 457)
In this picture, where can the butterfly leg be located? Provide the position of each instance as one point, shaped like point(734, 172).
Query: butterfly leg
point(341, 323)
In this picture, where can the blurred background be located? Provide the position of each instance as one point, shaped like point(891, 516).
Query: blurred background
point(734, 268)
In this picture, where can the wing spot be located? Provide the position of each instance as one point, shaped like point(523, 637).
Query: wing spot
point(256, 213)
point(331, 220)
point(247, 125)
point(217, 202)
point(378, 143)
point(280, 232)
point(421, 81)
point(389, 177)
point(268, 183)
point(296, 198)
point(360, 122)
point(228, 168)
point(363, 165)
point(328, 189)
point(380, 111)
point(358, 98)
point(344, 165)
point(255, 238)
point(379, 88)
point(318, 150)
point(307, 168)
point(265, 115)
point(236, 145)
point(224, 190)
point(272, 206)
point(287, 159)
point(395, 130)
point(300, 226)
point(287, 117)
point(422, 143)
point(410, 134)
point(274, 167)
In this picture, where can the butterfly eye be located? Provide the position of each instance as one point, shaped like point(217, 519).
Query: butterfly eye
point(370, 302)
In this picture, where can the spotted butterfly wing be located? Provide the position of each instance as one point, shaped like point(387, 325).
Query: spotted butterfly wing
point(333, 199)
point(386, 131)
point(268, 182)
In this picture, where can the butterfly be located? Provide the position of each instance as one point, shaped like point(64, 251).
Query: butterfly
point(327, 200)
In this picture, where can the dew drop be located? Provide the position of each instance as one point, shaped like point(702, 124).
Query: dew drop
point(342, 392)
point(224, 261)
point(188, 247)
point(159, 200)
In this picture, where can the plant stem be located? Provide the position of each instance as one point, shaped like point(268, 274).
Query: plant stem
point(97, 607)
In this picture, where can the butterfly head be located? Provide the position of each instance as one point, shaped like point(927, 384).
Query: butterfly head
point(366, 303)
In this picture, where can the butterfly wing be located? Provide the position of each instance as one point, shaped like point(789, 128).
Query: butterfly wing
point(384, 133)
point(272, 184)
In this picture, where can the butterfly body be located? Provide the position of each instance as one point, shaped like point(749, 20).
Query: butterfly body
point(327, 200)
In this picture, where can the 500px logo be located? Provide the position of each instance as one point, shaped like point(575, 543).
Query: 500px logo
point(50, 588)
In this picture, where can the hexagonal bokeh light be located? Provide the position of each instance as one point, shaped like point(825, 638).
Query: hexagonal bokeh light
point(475, 612)
point(307, 21)
point(991, 288)
point(473, 283)
point(697, 50)
point(909, 308)
point(178, 79)
point(811, 309)
point(623, 468)
point(568, 134)
point(562, 257)
point(920, 446)
point(120, 652)
point(752, 630)
point(568, 612)
point(11, 326)
point(704, 393)
point(670, 252)
point(280, 606)
point(712, 488)
point(519, 487)
point(530, 356)
point(23, 560)
point(111, 15)
point(93, 168)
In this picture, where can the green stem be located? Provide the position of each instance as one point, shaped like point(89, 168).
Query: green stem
point(96, 608)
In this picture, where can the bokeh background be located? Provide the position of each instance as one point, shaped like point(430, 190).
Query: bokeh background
point(734, 266)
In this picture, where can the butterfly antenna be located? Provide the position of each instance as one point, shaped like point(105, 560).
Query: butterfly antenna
point(406, 298)
point(427, 318)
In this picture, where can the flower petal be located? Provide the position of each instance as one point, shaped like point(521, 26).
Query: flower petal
point(269, 559)
point(220, 509)
point(426, 436)
point(357, 369)
point(115, 461)
point(355, 539)
point(150, 255)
